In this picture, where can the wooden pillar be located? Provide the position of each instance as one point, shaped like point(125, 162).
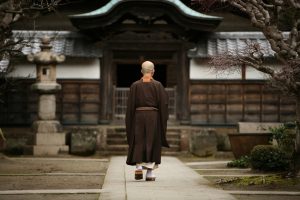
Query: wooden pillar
point(183, 85)
point(106, 88)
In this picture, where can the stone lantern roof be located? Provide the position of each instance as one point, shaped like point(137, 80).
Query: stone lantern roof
point(45, 56)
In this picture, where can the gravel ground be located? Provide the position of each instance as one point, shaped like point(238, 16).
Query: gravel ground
point(51, 173)
point(222, 169)
point(51, 165)
point(294, 186)
point(50, 182)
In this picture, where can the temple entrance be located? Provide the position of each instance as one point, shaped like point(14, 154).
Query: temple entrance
point(126, 74)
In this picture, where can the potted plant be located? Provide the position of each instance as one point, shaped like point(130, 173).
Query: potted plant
point(249, 135)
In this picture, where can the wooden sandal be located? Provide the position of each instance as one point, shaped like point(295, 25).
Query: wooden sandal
point(138, 175)
point(150, 178)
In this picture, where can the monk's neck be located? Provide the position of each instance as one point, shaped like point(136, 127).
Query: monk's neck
point(147, 78)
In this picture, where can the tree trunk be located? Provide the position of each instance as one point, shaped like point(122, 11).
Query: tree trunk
point(298, 125)
point(297, 153)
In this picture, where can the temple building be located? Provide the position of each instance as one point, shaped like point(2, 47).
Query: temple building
point(106, 42)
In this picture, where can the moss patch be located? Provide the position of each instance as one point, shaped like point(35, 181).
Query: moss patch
point(259, 183)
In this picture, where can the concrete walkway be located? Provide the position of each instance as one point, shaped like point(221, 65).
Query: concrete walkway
point(174, 181)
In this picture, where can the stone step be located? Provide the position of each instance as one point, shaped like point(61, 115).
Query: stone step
point(116, 135)
point(170, 153)
point(117, 142)
point(172, 148)
point(118, 147)
point(124, 147)
point(165, 153)
point(173, 132)
point(124, 141)
point(173, 135)
point(111, 152)
point(112, 141)
point(123, 135)
point(174, 140)
point(120, 130)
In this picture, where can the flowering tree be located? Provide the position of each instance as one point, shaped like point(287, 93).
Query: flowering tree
point(267, 15)
point(12, 11)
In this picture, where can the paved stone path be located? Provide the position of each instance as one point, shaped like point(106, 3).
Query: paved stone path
point(174, 181)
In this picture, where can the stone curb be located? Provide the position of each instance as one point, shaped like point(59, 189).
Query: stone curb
point(67, 191)
point(236, 175)
point(288, 193)
point(57, 174)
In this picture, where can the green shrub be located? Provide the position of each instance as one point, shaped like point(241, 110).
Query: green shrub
point(268, 158)
point(242, 162)
point(285, 138)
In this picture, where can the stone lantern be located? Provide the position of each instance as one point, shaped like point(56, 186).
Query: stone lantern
point(48, 136)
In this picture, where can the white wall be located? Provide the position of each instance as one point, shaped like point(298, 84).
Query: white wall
point(72, 68)
point(253, 74)
point(201, 70)
point(23, 71)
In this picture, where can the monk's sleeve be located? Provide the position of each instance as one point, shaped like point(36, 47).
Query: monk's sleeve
point(164, 113)
point(130, 114)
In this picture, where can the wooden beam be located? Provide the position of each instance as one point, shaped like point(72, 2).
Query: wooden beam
point(106, 88)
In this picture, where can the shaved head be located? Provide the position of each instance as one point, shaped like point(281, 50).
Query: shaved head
point(147, 67)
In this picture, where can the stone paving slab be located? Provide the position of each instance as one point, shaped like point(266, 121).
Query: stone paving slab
point(207, 163)
point(174, 181)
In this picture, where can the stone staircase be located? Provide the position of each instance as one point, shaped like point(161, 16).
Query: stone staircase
point(116, 143)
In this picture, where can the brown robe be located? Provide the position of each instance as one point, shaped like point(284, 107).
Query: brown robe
point(146, 130)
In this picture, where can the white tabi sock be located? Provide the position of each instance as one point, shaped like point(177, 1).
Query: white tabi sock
point(150, 173)
point(139, 167)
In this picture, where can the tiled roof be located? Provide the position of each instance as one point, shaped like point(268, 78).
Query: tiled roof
point(229, 42)
point(63, 42)
point(76, 45)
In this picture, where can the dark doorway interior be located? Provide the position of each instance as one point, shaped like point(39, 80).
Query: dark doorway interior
point(128, 73)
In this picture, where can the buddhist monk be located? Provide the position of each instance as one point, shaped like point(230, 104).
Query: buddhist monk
point(146, 123)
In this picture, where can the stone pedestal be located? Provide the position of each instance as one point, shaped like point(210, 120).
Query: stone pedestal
point(49, 138)
point(50, 144)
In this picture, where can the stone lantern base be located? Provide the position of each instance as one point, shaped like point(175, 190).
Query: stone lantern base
point(48, 139)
